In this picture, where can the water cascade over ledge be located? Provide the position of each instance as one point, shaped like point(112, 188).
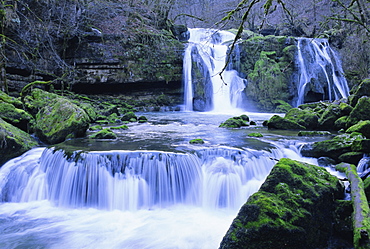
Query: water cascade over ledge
point(319, 71)
point(133, 180)
point(204, 88)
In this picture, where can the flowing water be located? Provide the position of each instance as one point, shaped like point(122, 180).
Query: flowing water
point(149, 188)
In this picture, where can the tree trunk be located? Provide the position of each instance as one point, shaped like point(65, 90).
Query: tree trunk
point(361, 213)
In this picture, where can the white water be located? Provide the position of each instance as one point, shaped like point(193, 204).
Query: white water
point(127, 199)
point(212, 46)
point(320, 59)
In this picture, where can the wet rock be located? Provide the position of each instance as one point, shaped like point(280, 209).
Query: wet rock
point(360, 111)
point(362, 127)
point(13, 141)
point(277, 122)
point(304, 117)
point(59, 120)
point(236, 122)
point(104, 134)
point(17, 117)
point(293, 209)
point(361, 90)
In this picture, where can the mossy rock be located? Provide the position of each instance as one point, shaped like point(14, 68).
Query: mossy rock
point(255, 134)
point(340, 123)
point(10, 100)
point(104, 134)
point(113, 118)
point(281, 106)
point(329, 116)
point(95, 128)
point(236, 122)
point(360, 112)
point(294, 208)
point(362, 127)
point(304, 117)
point(38, 99)
point(129, 116)
point(13, 141)
point(196, 141)
point(17, 117)
point(351, 157)
point(332, 148)
point(367, 188)
point(313, 133)
point(59, 120)
point(363, 89)
point(122, 127)
point(361, 145)
point(142, 119)
point(277, 122)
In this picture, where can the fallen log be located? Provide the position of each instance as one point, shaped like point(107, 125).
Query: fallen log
point(361, 211)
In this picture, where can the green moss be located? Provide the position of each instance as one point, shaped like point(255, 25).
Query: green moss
point(235, 122)
point(122, 127)
point(196, 141)
point(362, 127)
point(313, 133)
point(277, 122)
point(13, 141)
point(16, 117)
point(255, 134)
point(104, 134)
point(304, 117)
point(95, 128)
point(129, 116)
point(293, 209)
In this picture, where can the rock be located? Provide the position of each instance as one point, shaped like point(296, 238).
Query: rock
point(122, 127)
point(95, 128)
point(362, 127)
point(13, 141)
point(277, 122)
point(360, 112)
point(351, 157)
point(17, 117)
point(330, 115)
point(294, 208)
point(104, 134)
point(142, 119)
point(236, 122)
point(305, 117)
point(196, 141)
point(255, 134)
point(313, 133)
point(59, 120)
point(129, 116)
point(332, 148)
point(363, 89)
point(361, 145)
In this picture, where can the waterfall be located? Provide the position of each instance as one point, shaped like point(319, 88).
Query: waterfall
point(204, 59)
point(320, 69)
point(134, 180)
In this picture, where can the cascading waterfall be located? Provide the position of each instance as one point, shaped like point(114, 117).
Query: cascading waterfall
point(319, 68)
point(207, 52)
point(133, 180)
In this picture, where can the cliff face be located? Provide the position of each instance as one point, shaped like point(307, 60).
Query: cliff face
point(77, 43)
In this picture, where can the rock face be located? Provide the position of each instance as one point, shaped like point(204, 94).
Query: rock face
point(93, 47)
point(13, 141)
point(293, 209)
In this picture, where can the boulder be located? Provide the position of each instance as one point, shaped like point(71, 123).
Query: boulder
point(294, 208)
point(361, 90)
point(15, 116)
point(13, 141)
point(104, 134)
point(236, 122)
point(330, 115)
point(277, 122)
point(332, 148)
point(304, 117)
point(362, 127)
point(59, 120)
point(360, 112)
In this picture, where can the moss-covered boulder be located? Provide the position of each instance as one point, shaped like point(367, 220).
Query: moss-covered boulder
point(363, 89)
point(360, 111)
point(13, 141)
point(104, 134)
point(236, 122)
point(332, 148)
point(362, 127)
point(255, 134)
point(129, 116)
point(313, 133)
point(196, 141)
point(15, 116)
point(60, 119)
point(294, 208)
point(277, 122)
point(304, 117)
point(351, 157)
point(330, 115)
